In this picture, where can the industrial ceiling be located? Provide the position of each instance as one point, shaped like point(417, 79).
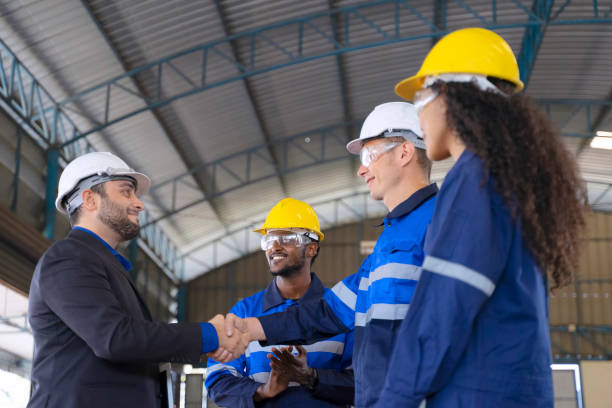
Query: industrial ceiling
point(231, 105)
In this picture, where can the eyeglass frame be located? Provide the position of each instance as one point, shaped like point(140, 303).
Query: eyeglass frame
point(420, 104)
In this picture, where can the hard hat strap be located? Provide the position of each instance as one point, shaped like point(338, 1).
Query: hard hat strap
point(73, 200)
point(480, 81)
point(407, 134)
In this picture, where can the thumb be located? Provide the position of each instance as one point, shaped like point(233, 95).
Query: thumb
point(229, 324)
point(240, 324)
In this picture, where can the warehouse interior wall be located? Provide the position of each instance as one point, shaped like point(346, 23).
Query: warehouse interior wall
point(596, 377)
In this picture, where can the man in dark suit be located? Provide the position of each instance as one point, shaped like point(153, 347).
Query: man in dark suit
point(95, 344)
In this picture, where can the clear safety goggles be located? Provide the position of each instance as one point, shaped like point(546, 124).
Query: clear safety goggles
point(293, 239)
point(370, 154)
point(422, 98)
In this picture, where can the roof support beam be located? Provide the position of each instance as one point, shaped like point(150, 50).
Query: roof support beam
point(403, 12)
point(439, 19)
point(532, 39)
point(319, 151)
point(344, 92)
point(251, 95)
point(596, 124)
point(35, 111)
point(200, 180)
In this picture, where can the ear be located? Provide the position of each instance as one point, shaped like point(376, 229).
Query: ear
point(90, 200)
point(408, 152)
point(311, 249)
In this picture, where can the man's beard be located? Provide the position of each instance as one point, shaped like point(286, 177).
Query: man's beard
point(115, 217)
point(293, 269)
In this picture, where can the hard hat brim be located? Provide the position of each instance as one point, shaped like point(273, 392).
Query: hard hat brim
point(406, 88)
point(354, 146)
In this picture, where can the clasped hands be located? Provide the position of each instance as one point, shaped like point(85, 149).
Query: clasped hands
point(285, 367)
point(234, 335)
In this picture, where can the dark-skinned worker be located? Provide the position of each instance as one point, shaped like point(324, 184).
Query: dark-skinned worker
point(291, 238)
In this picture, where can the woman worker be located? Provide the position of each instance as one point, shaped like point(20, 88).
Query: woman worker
point(507, 219)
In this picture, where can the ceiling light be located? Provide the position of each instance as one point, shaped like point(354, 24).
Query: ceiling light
point(603, 140)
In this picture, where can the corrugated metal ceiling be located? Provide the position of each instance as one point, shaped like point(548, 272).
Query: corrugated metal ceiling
point(69, 50)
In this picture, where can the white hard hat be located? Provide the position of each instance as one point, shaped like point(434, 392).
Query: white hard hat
point(106, 166)
point(390, 119)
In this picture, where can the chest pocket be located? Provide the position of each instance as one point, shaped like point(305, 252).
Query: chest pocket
point(400, 251)
point(394, 279)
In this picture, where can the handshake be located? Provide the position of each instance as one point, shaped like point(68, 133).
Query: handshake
point(234, 335)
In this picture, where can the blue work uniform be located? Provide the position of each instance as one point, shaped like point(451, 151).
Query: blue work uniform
point(373, 301)
point(477, 333)
point(233, 384)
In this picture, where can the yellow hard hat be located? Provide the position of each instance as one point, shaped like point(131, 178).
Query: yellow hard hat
point(291, 213)
point(466, 51)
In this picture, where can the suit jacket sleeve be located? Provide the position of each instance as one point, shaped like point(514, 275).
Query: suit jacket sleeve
point(76, 288)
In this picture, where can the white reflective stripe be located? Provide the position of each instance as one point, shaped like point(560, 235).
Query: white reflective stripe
point(391, 270)
point(423, 404)
point(347, 296)
point(260, 377)
point(459, 272)
point(382, 311)
point(327, 346)
point(224, 367)
point(263, 376)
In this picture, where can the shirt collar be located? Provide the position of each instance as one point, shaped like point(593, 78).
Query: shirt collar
point(126, 264)
point(272, 296)
point(412, 202)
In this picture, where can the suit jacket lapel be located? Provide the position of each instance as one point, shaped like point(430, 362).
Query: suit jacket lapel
point(99, 247)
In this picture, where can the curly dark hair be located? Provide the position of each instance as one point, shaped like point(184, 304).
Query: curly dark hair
point(533, 171)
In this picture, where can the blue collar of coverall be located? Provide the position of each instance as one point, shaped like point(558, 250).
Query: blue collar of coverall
point(272, 296)
point(126, 264)
point(411, 203)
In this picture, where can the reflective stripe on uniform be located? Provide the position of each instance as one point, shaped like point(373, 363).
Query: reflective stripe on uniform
point(262, 377)
point(382, 311)
point(224, 367)
point(347, 296)
point(459, 272)
point(391, 270)
point(327, 346)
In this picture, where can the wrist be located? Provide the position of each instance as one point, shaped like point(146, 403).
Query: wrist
point(255, 330)
point(259, 393)
point(313, 380)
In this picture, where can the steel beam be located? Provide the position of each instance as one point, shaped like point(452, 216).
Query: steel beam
point(51, 191)
point(439, 20)
point(320, 143)
point(597, 123)
point(36, 112)
point(142, 93)
point(251, 97)
point(15, 196)
point(532, 39)
point(344, 92)
point(403, 11)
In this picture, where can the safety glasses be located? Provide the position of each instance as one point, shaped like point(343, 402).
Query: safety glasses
point(370, 154)
point(422, 98)
point(293, 239)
